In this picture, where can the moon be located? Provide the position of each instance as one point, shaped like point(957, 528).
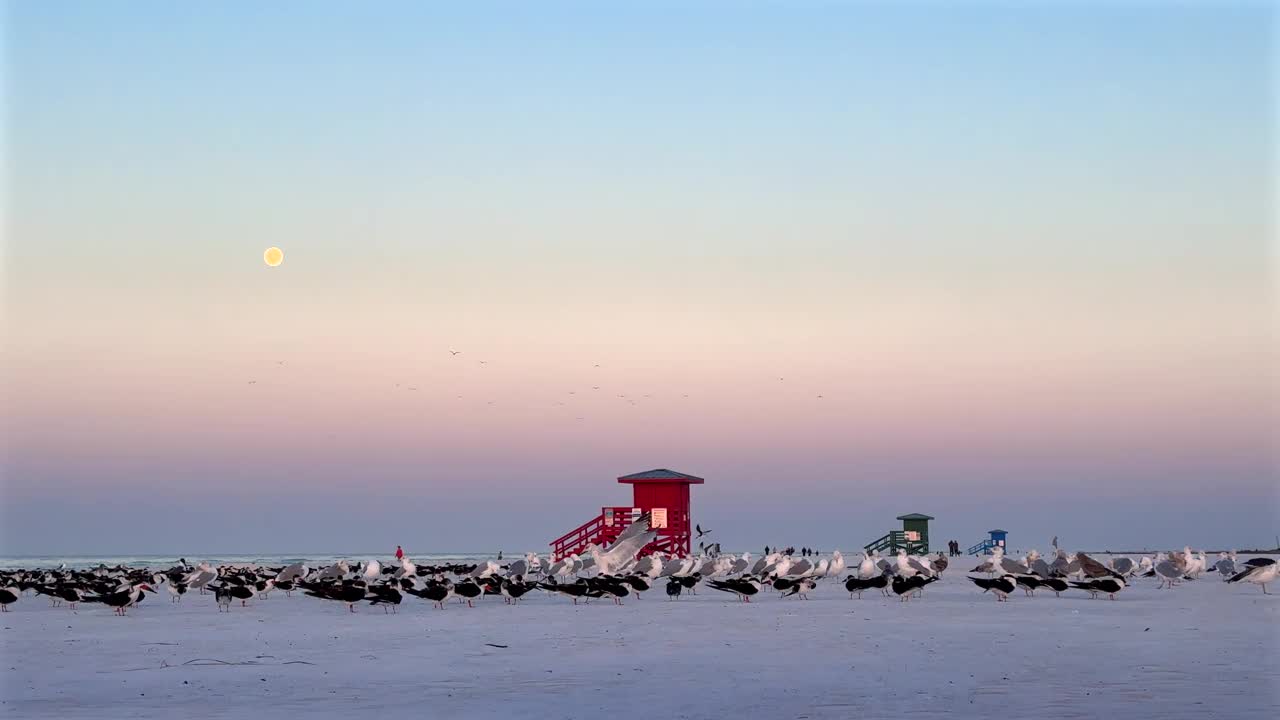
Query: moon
point(273, 256)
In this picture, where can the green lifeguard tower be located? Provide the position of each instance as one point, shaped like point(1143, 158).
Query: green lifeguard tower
point(913, 537)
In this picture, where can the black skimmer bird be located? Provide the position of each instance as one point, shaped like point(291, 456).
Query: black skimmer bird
point(1000, 586)
point(638, 583)
point(225, 592)
point(437, 591)
point(1259, 574)
point(905, 587)
point(855, 584)
point(801, 588)
point(743, 587)
point(573, 590)
point(515, 588)
point(1028, 583)
point(1094, 586)
point(1057, 585)
point(611, 587)
point(348, 592)
point(467, 590)
point(674, 588)
point(60, 593)
point(388, 596)
point(690, 582)
point(8, 596)
point(123, 599)
point(264, 587)
point(174, 583)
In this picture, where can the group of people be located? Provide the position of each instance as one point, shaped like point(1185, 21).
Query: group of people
point(789, 551)
point(953, 548)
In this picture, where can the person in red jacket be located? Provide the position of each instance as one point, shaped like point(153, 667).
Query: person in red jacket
point(399, 553)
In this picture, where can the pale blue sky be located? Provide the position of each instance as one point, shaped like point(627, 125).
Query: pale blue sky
point(1023, 253)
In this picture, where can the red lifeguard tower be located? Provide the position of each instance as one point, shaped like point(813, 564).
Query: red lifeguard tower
point(662, 493)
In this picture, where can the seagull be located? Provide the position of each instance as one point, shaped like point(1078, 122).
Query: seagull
point(1258, 574)
point(454, 352)
point(867, 568)
point(291, 572)
point(622, 553)
point(253, 382)
point(1226, 565)
point(1123, 565)
point(1170, 570)
point(700, 531)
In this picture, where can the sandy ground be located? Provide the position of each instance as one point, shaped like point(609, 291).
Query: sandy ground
point(1204, 649)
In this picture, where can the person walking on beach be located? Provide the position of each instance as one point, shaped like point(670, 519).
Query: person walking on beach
point(399, 553)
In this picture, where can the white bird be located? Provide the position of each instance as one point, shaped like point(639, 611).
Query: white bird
point(761, 566)
point(372, 570)
point(650, 566)
point(407, 569)
point(867, 569)
point(200, 577)
point(801, 568)
point(1258, 575)
point(1170, 570)
point(564, 567)
point(518, 567)
point(687, 567)
point(622, 553)
point(1196, 564)
point(1226, 565)
point(837, 565)
point(289, 572)
point(902, 566)
point(335, 571)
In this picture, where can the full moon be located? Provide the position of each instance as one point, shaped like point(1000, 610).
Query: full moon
point(273, 256)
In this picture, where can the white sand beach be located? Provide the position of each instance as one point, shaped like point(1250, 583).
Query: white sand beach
point(1202, 650)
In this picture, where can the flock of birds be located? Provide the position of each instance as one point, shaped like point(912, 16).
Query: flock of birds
point(615, 573)
point(632, 398)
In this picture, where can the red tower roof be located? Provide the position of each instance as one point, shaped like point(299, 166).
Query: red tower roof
point(661, 475)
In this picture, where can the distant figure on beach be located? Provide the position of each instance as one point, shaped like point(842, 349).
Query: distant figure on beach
point(499, 556)
point(399, 553)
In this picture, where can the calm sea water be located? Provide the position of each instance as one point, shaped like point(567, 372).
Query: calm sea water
point(166, 561)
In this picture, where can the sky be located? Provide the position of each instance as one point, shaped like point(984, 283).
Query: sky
point(1011, 266)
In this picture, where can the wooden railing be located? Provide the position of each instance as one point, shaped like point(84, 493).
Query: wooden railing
point(983, 547)
point(895, 539)
point(605, 528)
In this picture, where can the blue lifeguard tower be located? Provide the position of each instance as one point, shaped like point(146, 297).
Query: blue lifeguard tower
point(985, 547)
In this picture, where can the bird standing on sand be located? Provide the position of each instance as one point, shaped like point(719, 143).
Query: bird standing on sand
point(1259, 574)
